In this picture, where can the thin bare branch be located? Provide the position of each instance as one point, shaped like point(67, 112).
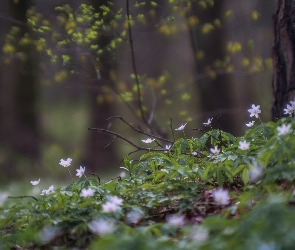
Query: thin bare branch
point(23, 196)
point(172, 130)
point(140, 106)
point(110, 142)
point(128, 141)
point(96, 176)
point(139, 130)
point(118, 177)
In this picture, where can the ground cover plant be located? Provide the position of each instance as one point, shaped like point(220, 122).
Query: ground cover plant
point(203, 189)
point(216, 191)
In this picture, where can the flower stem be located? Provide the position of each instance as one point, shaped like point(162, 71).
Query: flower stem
point(71, 175)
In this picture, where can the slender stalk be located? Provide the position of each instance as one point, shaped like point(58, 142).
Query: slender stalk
point(134, 65)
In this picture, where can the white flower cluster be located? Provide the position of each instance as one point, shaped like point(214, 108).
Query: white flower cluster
point(101, 227)
point(221, 196)
point(87, 192)
point(290, 108)
point(176, 220)
point(254, 111)
point(113, 204)
point(80, 172)
point(48, 191)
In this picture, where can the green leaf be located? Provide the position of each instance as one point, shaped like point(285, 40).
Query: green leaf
point(220, 178)
point(239, 169)
point(245, 176)
point(232, 157)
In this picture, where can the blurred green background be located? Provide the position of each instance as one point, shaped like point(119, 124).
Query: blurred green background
point(187, 73)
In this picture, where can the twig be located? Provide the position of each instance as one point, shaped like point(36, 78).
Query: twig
point(139, 130)
point(23, 196)
point(110, 142)
point(96, 176)
point(134, 65)
point(138, 148)
point(125, 139)
point(172, 129)
point(118, 177)
point(154, 102)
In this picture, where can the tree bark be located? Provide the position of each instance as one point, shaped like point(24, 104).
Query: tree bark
point(19, 125)
point(283, 57)
point(215, 93)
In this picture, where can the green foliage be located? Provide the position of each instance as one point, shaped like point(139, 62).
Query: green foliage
point(179, 181)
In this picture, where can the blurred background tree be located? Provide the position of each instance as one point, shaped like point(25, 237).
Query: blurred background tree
point(283, 58)
point(20, 138)
point(194, 60)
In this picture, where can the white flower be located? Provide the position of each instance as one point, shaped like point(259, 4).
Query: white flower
point(250, 124)
point(48, 233)
point(290, 108)
point(208, 122)
point(87, 192)
point(34, 183)
point(109, 207)
point(181, 127)
point(116, 200)
point(48, 191)
point(254, 111)
point(65, 163)
point(122, 174)
point(194, 153)
point(284, 129)
point(101, 227)
point(243, 145)
point(80, 171)
point(175, 220)
point(133, 217)
point(167, 147)
point(215, 150)
point(200, 234)
point(113, 204)
point(255, 172)
point(221, 196)
point(148, 140)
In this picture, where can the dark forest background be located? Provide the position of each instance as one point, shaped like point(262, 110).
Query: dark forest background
point(45, 112)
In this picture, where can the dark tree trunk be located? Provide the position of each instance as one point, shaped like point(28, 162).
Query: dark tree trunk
point(283, 57)
point(97, 157)
point(216, 95)
point(19, 126)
